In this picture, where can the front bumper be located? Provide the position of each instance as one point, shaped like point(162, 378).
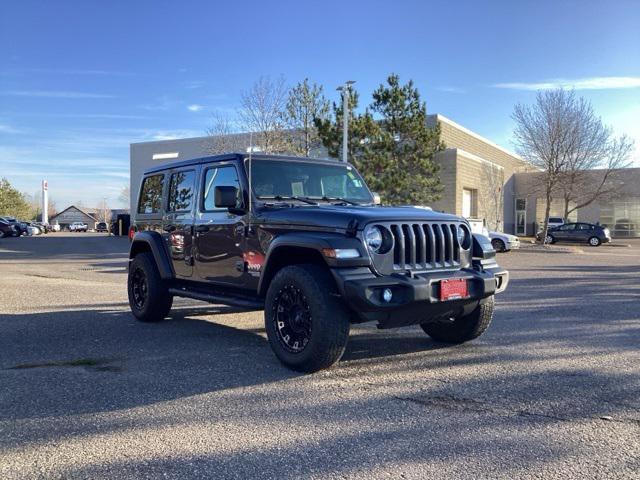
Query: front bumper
point(416, 297)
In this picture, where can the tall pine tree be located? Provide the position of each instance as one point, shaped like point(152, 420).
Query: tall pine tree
point(390, 143)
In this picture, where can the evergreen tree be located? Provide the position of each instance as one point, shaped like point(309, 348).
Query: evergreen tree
point(13, 203)
point(394, 150)
point(304, 104)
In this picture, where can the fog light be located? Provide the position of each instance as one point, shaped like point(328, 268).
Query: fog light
point(387, 295)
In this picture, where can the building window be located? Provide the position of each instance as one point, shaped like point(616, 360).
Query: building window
point(622, 217)
point(469, 203)
point(521, 216)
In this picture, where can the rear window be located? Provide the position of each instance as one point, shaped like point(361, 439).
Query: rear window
point(181, 189)
point(151, 194)
point(556, 220)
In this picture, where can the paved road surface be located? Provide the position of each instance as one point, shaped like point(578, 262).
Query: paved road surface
point(552, 390)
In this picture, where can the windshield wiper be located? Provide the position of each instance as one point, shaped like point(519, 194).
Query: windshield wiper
point(288, 197)
point(339, 199)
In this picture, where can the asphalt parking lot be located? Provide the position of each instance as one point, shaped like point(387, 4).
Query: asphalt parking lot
point(552, 390)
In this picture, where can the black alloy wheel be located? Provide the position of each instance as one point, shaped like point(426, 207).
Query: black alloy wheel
point(292, 318)
point(140, 288)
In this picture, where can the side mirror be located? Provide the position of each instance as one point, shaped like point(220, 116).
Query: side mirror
point(376, 198)
point(225, 197)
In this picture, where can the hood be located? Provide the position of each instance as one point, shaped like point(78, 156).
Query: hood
point(333, 216)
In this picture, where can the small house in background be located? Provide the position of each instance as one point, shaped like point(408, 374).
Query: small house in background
point(73, 214)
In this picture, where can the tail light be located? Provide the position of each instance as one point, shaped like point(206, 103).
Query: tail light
point(132, 232)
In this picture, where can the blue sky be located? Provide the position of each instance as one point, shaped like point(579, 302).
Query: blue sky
point(81, 80)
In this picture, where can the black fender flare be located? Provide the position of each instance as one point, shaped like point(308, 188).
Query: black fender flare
point(152, 241)
point(314, 241)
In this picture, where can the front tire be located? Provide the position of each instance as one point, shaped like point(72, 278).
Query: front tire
point(594, 242)
point(498, 245)
point(549, 240)
point(465, 328)
point(149, 298)
point(307, 324)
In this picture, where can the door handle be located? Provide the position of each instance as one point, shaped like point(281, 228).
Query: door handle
point(202, 228)
point(169, 228)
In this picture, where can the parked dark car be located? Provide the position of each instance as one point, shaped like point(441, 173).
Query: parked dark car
point(305, 241)
point(7, 229)
point(594, 235)
point(21, 228)
point(102, 227)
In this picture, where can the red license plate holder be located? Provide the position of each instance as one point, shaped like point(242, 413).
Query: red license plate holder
point(454, 289)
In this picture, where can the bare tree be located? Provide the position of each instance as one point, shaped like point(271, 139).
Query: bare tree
point(580, 183)
point(224, 136)
point(125, 195)
point(552, 134)
point(304, 104)
point(262, 112)
point(490, 195)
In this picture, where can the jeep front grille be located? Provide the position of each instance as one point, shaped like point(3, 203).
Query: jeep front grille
point(424, 246)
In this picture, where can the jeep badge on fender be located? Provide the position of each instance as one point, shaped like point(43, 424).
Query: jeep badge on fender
point(304, 240)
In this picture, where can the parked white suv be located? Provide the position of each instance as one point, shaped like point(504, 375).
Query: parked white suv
point(78, 227)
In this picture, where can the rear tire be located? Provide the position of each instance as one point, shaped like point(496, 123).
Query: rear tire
point(307, 324)
point(465, 328)
point(594, 242)
point(149, 297)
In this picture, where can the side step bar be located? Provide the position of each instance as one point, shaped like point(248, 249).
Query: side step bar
point(246, 303)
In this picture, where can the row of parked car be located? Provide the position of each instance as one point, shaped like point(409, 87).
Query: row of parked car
point(11, 227)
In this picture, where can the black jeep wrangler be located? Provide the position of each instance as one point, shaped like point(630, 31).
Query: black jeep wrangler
point(303, 240)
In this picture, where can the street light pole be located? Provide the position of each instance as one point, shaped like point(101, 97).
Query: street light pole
point(345, 89)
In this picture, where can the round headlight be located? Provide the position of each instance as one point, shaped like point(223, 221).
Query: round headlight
point(463, 236)
point(373, 238)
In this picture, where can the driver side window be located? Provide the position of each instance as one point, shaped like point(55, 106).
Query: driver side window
point(222, 176)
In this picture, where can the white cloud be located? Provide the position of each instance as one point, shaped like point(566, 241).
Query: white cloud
point(53, 94)
point(590, 83)
point(451, 89)
point(195, 107)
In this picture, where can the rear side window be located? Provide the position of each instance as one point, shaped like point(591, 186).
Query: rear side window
point(151, 194)
point(181, 189)
point(225, 176)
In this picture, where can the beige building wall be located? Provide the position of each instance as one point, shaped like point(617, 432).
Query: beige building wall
point(473, 162)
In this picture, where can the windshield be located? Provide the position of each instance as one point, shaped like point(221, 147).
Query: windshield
point(282, 179)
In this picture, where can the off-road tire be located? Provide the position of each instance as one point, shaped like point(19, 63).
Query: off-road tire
point(498, 245)
point(462, 329)
point(158, 301)
point(329, 318)
point(595, 241)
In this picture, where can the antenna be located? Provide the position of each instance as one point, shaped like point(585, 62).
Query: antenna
point(250, 187)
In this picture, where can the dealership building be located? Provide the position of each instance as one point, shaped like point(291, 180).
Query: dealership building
point(480, 178)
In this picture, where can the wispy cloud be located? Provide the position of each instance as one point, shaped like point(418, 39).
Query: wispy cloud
point(589, 83)
point(194, 107)
point(67, 71)
point(451, 89)
point(193, 84)
point(4, 128)
point(53, 94)
point(175, 134)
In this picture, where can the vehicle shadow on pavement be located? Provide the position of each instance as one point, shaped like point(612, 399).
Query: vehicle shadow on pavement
point(83, 361)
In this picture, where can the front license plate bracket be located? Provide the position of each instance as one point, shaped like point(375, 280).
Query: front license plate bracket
point(454, 289)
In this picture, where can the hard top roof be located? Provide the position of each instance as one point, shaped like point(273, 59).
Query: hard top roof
point(237, 156)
